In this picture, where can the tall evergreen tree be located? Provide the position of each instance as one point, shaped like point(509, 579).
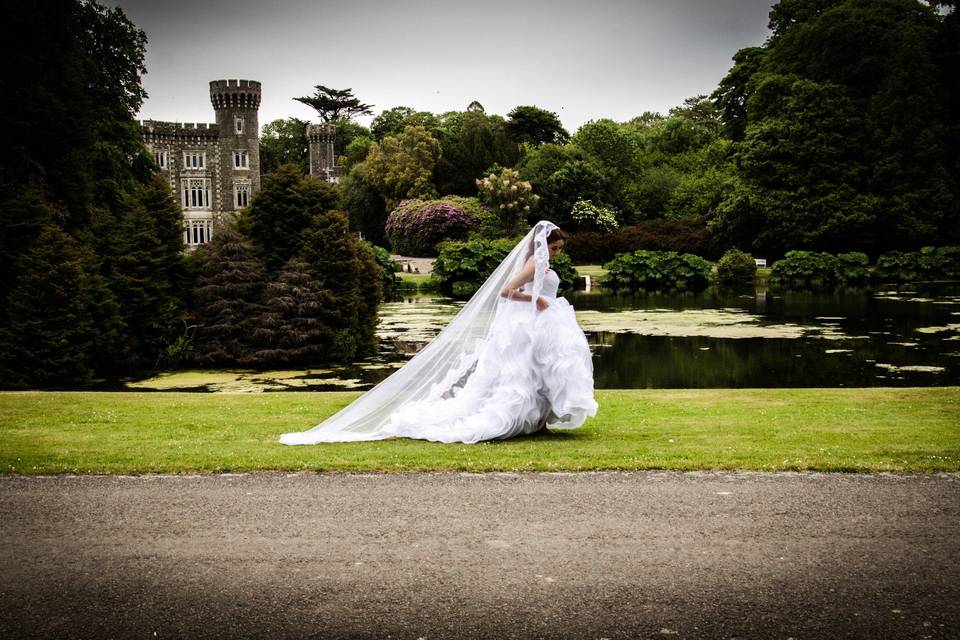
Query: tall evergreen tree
point(49, 336)
point(72, 155)
point(346, 269)
point(299, 321)
point(280, 212)
point(229, 297)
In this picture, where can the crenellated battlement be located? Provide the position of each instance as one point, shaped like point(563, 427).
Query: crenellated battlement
point(154, 130)
point(321, 132)
point(213, 167)
point(235, 94)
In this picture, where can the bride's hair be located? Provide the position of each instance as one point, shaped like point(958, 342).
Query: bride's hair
point(556, 234)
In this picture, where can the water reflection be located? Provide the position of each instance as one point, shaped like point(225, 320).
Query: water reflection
point(906, 337)
point(717, 338)
point(850, 338)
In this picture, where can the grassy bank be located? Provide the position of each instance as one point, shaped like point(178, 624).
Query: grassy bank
point(772, 429)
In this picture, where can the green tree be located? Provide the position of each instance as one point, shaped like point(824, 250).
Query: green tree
point(49, 336)
point(733, 92)
point(390, 122)
point(356, 152)
point(335, 104)
point(283, 142)
point(347, 132)
point(401, 167)
point(511, 199)
point(346, 269)
point(535, 126)
point(364, 205)
point(298, 319)
point(229, 294)
point(847, 132)
point(280, 212)
point(74, 159)
point(471, 143)
point(146, 267)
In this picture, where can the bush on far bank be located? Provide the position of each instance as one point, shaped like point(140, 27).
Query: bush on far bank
point(681, 236)
point(658, 271)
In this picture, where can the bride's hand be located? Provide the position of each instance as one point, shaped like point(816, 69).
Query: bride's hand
point(542, 305)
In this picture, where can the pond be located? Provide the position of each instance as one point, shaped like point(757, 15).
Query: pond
point(888, 337)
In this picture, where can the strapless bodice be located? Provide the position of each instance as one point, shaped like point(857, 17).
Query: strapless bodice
point(551, 283)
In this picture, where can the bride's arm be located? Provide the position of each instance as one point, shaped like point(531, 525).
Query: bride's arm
point(511, 290)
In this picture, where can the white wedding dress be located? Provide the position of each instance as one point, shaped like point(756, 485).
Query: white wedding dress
point(502, 368)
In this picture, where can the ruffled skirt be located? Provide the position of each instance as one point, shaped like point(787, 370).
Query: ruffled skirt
point(533, 371)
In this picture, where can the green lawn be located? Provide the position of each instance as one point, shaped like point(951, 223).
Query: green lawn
point(774, 429)
point(592, 270)
point(417, 278)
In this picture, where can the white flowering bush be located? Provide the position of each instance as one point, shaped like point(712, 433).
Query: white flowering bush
point(508, 197)
point(592, 217)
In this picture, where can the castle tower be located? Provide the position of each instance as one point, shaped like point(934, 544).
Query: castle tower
point(236, 103)
point(322, 160)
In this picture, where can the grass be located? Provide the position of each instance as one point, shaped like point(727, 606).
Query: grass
point(592, 270)
point(912, 429)
point(417, 278)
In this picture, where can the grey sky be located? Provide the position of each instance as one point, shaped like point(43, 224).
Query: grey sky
point(583, 60)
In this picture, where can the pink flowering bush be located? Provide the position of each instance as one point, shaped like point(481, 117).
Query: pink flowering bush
point(415, 227)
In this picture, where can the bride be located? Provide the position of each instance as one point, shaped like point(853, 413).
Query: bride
point(511, 362)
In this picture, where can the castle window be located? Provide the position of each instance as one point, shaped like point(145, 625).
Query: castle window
point(238, 125)
point(196, 193)
point(241, 195)
point(240, 160)
point(194, 159)
point(162, 159)
point(197, 232)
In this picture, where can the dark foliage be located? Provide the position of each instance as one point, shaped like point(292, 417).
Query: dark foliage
point(930, 263)
point(229, 295)
point(335, 104)
point(49, 336)
point(847, 129)
point(364, 205)
point(736, 269)
point(390, 282)
point(297, 325)
point(346, 269)
point(658, 271)
point(683, 236)
point(809, 270)
point(74, 171)
point(282, 210)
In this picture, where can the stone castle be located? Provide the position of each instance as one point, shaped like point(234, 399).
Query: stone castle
point(214, 168)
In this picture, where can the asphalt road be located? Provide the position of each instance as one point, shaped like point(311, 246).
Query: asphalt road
point(594, 555)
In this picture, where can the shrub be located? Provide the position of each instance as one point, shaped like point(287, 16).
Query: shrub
point(563, 265)
point(587, 215)
point(941, 263)
point(416, 227)
point(508, 197)
point(682, 236)
point(819, 271)
point(658, 271)
point(736, 268)
point(461, 267)
point(388, 270)
point(853, 269)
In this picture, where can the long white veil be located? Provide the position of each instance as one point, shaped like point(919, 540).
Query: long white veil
point(443, 366)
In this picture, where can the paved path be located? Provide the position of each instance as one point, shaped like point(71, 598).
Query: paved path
point(595, 555)
point(419, 265)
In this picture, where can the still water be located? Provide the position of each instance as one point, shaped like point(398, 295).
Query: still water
point(764, 339)
point(887, 337)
